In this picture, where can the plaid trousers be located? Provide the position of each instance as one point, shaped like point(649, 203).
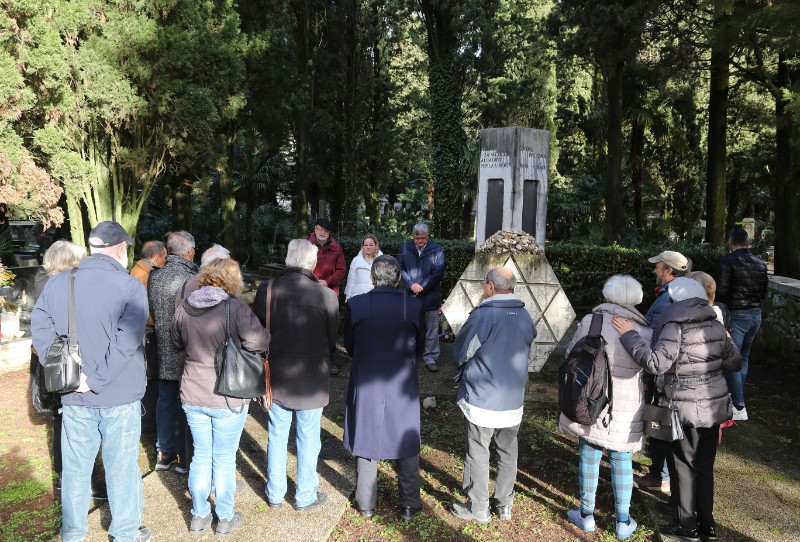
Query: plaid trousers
point(589, 476)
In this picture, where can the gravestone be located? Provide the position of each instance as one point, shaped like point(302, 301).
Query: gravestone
point(749, 225)
point(512, 182)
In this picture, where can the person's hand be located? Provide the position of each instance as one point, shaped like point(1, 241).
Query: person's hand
point(84, 385)
point(416, 288)
point(323, 282)
point(621, 325)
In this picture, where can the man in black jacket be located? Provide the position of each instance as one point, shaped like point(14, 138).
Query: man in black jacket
point(741, 285)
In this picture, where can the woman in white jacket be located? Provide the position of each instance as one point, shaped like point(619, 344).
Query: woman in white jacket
point(623, 436)
point(359, 280)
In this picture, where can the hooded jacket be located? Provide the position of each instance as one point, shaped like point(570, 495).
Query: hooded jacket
point(624, 431)
point(692, 351)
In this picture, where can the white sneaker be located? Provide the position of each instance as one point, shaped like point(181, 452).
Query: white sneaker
point(739, 415)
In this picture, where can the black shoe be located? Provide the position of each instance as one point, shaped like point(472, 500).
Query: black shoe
point(707, 533)
point(681, 533)
point(200, 523)
point(165, 460)
point(99, 493)
point(432, 367)
point(227, 526)
point(321, 498)
point(407, 513)
point(333, 370)
point(503, 512)
point(366, 514)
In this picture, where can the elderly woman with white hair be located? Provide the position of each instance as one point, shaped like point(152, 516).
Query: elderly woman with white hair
point(622, 436)
point(691, 350)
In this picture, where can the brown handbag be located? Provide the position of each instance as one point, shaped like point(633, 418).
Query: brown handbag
point(266, 400)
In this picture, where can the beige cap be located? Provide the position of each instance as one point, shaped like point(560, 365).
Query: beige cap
point(675, 260)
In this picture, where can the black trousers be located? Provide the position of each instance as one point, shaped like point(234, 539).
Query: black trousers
point(407, 481)
point(692, 461)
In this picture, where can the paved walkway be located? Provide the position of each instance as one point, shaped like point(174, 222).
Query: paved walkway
point(757, 482)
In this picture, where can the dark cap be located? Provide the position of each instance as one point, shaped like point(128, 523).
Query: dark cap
point(325, 223)
point(111, 233)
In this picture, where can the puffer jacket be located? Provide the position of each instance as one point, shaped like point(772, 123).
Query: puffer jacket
point(164, 285)
point(692, 351)
point(741, 280)
point(624, 432)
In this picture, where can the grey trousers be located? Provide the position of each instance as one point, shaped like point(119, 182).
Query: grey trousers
point(407, 481)
point(431, 354)
point(476, 465)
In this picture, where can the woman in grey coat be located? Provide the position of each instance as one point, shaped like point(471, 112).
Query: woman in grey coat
point(691, 349)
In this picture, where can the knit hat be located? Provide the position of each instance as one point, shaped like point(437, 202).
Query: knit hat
point(684, 288)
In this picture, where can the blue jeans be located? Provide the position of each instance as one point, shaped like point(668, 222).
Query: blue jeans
point(216, 433)
point(744, 326)
point(83, 431)
point(589, 475)
point(308, 447)
point(168, 407)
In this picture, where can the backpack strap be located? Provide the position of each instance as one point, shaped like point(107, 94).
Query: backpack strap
point(596, 328)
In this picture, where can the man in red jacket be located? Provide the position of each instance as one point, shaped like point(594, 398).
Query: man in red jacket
point(331, 269)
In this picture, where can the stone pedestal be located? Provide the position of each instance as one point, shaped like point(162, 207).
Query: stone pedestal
point(512, 182)
point(538, 288)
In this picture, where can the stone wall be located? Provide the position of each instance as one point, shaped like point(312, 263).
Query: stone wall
point(780, 329)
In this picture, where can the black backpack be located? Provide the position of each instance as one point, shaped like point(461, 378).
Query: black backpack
point(584, 379)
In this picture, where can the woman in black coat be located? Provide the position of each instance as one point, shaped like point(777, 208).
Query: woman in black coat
point(384, 331)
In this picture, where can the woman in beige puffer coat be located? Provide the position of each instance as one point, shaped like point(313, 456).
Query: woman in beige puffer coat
point(623, 434)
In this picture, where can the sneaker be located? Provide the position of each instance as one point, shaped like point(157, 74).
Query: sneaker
point(739, 414)
point(200, 523)
point(584, 523)
point(432, 367)
point(464, 511)
point(143, 535)
point(321, 498)
point(651, 482)
point(227, 526)
point(165, 460)
point(624, 530)
point(99, 493)
point(503, 512)
point(181, 467)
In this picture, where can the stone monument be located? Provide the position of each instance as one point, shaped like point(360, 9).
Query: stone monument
point(512, 197)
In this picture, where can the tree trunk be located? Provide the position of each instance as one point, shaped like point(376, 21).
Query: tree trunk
point(181, 204)
point(75, 220)
point(717, 140)
point(637, 169)
point(787, 177)
point(227, 192)
point(615, 210)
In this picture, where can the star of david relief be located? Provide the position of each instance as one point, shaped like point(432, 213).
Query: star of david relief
point(538, 288)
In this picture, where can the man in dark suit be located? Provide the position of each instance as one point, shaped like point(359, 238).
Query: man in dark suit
point(384, 331)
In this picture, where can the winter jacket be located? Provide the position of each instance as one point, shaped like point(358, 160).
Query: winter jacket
point(164, 286)
point(692, 351)
point(330, 262)
point(111, 312)
point(426, 269)
point(624, 431)
point(141, 272)
point(384, 331)
point(493, 348)
point(659, 305)
point(304, 323)
point(359, 278)
point(742, 280)
point(198, 329)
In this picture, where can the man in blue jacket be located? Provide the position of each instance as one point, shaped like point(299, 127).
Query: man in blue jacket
point(422, 268)
point(492, 350)
point(111, 312)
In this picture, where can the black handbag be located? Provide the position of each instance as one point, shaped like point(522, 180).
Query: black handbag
point(240, 372)
point(63, 362)
point(662, 423)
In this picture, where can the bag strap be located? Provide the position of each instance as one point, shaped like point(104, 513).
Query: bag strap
point(72, 322)
point(269, 305)
point(596, 328)
point(228, 319)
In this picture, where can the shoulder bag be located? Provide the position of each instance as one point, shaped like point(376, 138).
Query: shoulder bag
point(63, 362)
point(240, 372)
point(664, 422)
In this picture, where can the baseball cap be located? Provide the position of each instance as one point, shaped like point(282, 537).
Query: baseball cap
point(110, 233)
point(685, 288)
point(675, 260)
point(325, 223)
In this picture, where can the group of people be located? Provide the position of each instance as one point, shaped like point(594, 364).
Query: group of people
point(169, 316)
point(690, 351)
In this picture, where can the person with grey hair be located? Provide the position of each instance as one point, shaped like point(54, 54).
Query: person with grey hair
point(164, 285)
point(422, 268)
point(622, 436)
point(384, 331)
point(492, 350)
point(303, 320)
point(214, 252)
point(105, 410)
